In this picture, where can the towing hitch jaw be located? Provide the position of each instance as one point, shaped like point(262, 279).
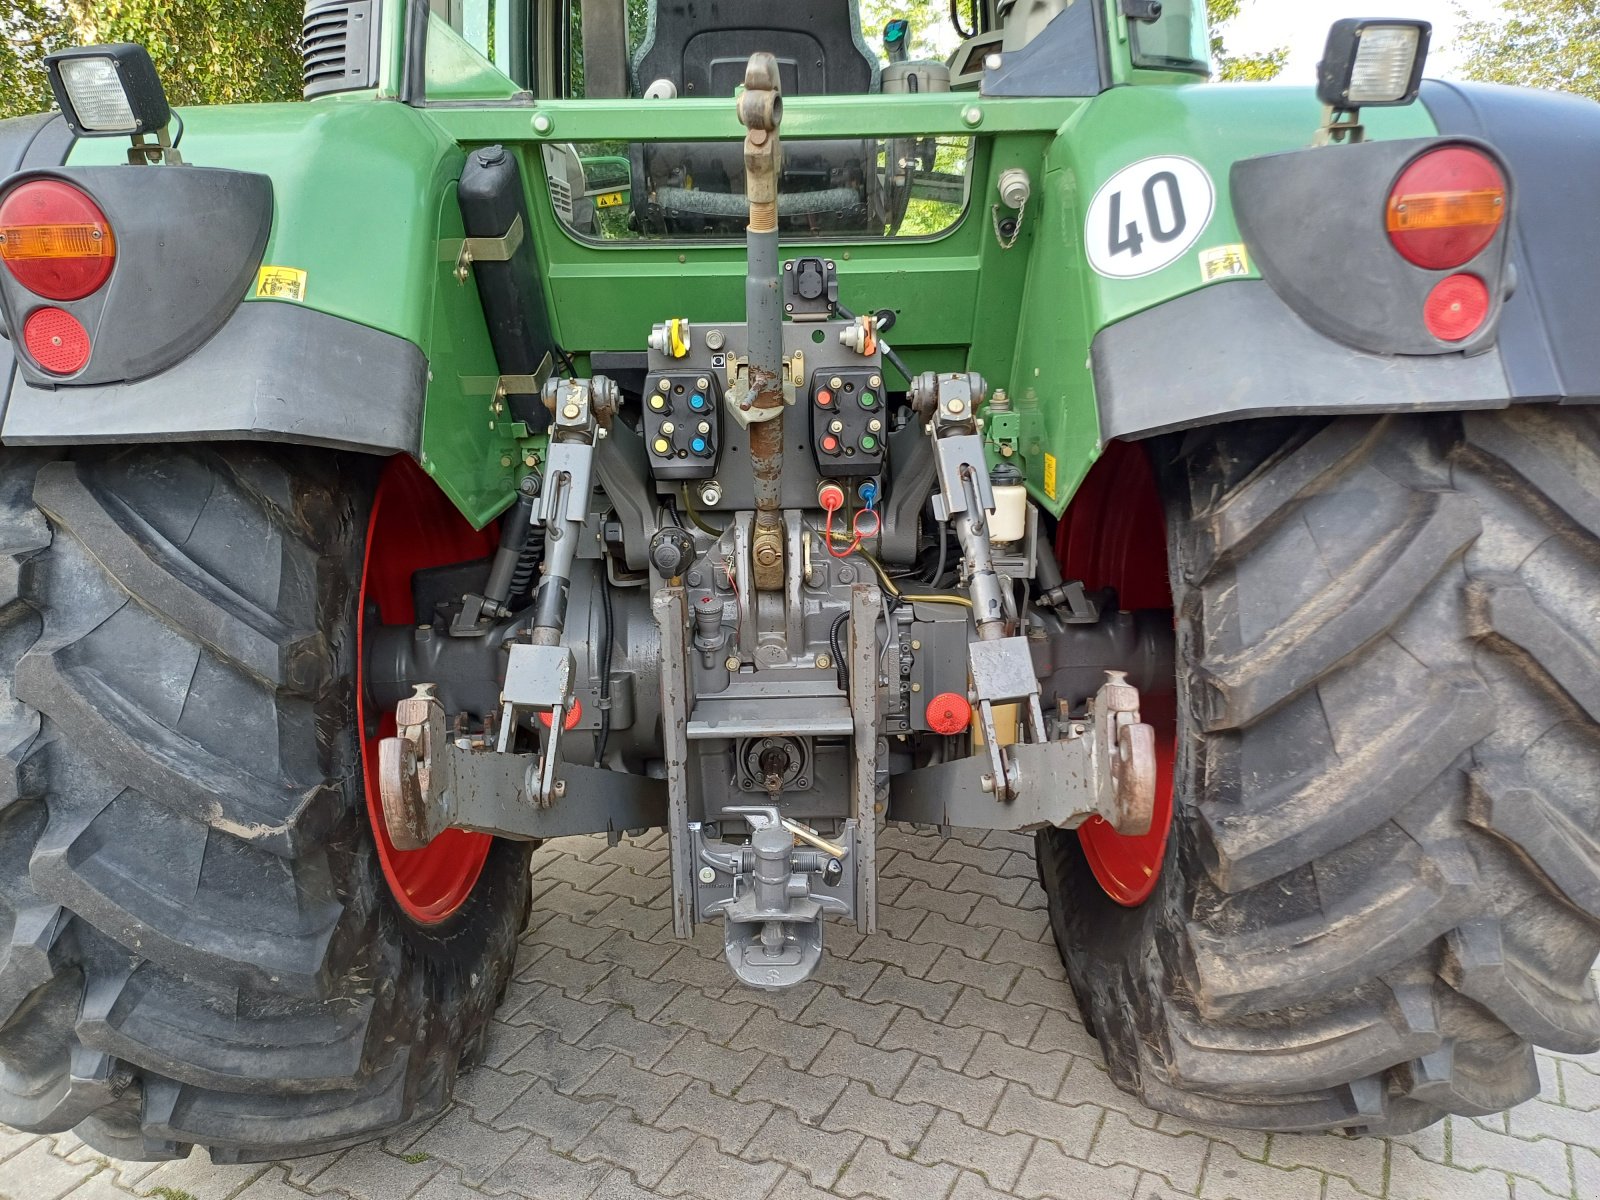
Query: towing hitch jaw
point(773, 894)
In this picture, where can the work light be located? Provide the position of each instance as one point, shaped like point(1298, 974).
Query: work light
point(108, 91)
point(1373, 63)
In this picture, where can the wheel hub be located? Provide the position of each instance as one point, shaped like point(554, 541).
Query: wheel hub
point(413, 526)
point(1114, 535)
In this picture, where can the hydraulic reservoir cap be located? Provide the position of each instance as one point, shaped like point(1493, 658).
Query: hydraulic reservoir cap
point(949, 713)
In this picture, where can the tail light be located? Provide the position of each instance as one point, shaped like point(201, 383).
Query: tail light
point(55, 241)
point(1456, 308)
point(57, 340)
point(1446, 208)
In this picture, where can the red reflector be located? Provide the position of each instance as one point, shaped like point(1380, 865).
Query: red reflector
point(568, 721)
point(1456, 308)
point(55, 241)
point(1446, 207)
point(56, 340)
point(949, 713)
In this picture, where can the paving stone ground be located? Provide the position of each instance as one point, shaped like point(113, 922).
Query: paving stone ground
point(940, 1059)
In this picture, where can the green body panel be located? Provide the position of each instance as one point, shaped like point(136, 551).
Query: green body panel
point(469, 445)
point(356, 192)
point(1067, 303)
point(365, 204)
point(363, 196)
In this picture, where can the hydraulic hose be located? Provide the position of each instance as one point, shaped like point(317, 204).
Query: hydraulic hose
point(607, 625)
point(841, 665)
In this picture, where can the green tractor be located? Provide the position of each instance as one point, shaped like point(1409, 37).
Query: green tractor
point(648, 415)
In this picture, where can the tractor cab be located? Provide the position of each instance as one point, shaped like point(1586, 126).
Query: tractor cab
point(674, 52)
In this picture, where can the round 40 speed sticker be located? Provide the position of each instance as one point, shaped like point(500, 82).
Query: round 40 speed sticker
point(1147, 215)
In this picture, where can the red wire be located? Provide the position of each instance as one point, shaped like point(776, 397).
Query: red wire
point(738, 604)
point(827, 536)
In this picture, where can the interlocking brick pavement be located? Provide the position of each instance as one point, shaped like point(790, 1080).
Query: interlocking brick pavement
point(941, 1059)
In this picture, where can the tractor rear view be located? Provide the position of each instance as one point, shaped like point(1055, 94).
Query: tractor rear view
point(631, 417)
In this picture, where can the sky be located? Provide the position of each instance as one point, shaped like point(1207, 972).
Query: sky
point(1302, 25)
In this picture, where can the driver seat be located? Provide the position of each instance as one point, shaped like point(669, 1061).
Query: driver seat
point(702, 46)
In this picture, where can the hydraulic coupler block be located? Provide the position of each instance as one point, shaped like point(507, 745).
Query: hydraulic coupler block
point(848, 426)
point(683, 424)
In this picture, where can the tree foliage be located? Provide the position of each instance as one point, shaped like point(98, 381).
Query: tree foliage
point(1242, 68)
point(208, 51)
point(1552, 44)
point(32, 29)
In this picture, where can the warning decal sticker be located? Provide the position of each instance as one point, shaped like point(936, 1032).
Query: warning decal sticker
point(281, 283)
point(1224, 262)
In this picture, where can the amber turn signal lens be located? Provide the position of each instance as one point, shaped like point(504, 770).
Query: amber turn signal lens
point(1446, 208)
point(55, 241)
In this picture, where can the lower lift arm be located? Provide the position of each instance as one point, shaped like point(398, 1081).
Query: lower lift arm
point(429, 782)
point(1100, 765)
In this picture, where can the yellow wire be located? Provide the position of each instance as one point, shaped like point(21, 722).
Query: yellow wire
point(889, 583)
point(961, 600)
point(688, 505)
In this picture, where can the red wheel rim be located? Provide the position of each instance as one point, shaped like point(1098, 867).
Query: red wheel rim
point(413, 526)
point(1114, 534)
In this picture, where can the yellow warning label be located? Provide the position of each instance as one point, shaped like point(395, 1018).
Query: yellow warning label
point(1224, 262)
point(281, 283)
point(1050, 475)
point(609, 199)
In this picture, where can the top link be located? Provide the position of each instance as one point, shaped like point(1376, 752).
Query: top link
point(761, 104)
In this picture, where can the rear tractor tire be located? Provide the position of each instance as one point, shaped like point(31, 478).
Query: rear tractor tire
point(198, 942)
point(1381, 888)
